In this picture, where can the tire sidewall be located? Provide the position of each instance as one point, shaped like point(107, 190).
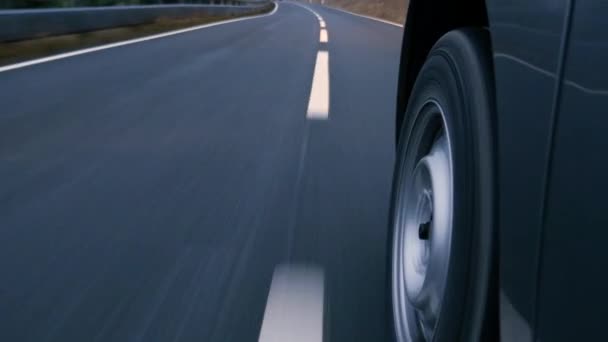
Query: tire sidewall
point(454, 78)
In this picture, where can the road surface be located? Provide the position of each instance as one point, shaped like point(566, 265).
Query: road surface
point(157, 191)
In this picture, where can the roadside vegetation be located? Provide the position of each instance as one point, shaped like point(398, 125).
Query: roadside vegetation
point(13, 52)
point(391, 10)
point(5, 4)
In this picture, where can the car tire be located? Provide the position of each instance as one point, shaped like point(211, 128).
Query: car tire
point(442, 246)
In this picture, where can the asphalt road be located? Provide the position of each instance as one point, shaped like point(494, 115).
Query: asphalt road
point(149, 191)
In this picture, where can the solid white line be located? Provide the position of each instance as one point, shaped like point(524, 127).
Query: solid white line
point(318, 104)
point(323, 36)
point(294, 310)
point(366, 17)
point(129, 42)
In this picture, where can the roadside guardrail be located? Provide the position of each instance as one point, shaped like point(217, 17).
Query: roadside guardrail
point(21, 24)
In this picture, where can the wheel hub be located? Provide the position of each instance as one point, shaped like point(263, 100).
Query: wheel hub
point(423, 230)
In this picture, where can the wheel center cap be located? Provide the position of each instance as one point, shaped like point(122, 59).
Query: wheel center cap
point(428, 229)
point(425, 215)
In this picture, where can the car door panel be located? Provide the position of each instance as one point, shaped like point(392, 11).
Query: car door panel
point(527, 38)
point(572, 277)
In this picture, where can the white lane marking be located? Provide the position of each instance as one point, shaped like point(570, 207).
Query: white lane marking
point(294, 310)
point(128, 42)
point(318, 104)
point(309, 10)
point(366, 17)
point(323, 36)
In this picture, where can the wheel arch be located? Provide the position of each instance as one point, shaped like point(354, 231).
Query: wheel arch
point(427, 21)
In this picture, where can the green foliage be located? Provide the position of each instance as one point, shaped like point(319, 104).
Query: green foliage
point(74, 3)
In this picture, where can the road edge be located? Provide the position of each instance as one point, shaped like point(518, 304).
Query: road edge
point(364, 16)
point(51, 58)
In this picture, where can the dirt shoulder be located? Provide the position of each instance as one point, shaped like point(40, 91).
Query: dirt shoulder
point(391, 10)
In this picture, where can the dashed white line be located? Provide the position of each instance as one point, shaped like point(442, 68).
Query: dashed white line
point(294, 310)
point(323, 36)
point(318, 104)
point(128, 42)
point(309, 10)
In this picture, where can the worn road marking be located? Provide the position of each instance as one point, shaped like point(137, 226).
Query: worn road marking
point(294, 310)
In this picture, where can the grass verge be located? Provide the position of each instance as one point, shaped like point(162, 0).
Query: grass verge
point(19, 51)
point(391, 10)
